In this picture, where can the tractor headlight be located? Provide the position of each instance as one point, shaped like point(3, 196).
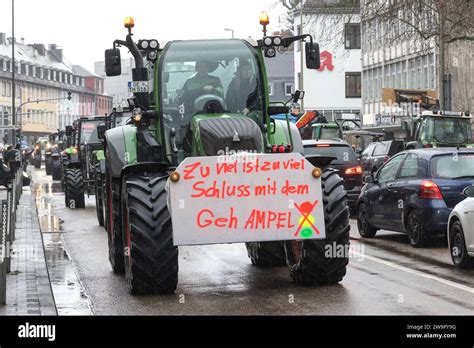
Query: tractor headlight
point(154, 44)
point(277, 41)
point(137, 115)
point(268, 41)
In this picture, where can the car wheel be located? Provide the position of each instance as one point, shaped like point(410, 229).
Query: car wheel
point(416, 230)
point(366, 230)
point(459, 255)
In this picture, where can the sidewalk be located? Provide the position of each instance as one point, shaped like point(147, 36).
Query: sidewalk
point(28, 287)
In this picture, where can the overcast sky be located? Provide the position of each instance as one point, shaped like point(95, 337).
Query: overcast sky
point(85, 28)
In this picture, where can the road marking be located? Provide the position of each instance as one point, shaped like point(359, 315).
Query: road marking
point(418, 273)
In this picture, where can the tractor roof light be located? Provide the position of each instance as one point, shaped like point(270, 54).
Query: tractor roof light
point(154, 44)
point(264, 18)
point(129, 23)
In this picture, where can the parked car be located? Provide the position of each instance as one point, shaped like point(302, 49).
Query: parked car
point(345, 161)
point(461, 231)
point(414, 192)
point(377, 153)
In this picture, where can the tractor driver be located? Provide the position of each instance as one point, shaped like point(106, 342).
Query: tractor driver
point(201, 83)
point(240, 89)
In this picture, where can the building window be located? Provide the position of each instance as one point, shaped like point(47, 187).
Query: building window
point(352, 36)
point(270, 89)
point(353, 85)
point(289, 87)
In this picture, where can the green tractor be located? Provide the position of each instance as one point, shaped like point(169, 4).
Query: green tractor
point(186, 107)
point(327, 131)
point(439, 129)
point(40, 149)
point(53, 162)
point(78, 160)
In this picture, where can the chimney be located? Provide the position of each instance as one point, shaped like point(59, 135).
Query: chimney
point(56, 52)
point(40, 48)
point(3, 39)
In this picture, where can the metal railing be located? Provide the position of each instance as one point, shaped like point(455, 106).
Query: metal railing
point(7, 225)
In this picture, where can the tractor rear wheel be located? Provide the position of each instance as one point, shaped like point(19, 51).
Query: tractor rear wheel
point(74, 188)
point(48, 163)
point(151, 259)
point(37, 161)
point(319, 262)
point(99, 208)
point(113, 225)
point(56, 169)
point(266, 254)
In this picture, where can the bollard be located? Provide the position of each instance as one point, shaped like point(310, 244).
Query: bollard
point(3, 255)
point(7, 216)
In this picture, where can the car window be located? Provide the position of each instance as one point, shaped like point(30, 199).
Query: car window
point(390, 169)
point(368, 151)
point(381, 149)
point(410, 167)
point(452, 166)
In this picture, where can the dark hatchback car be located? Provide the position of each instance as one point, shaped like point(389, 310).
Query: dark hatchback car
point(345, 161)
point(376, 154)
point(414, 193)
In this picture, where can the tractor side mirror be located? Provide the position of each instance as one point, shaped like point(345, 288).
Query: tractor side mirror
point(113, 62)
point(69, 131)
point(313, 59)
point(101, 129)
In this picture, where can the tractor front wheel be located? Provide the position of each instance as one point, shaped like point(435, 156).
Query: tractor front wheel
point(48, 163)
point(151, 259)
point(99, 204)
point(74, 188)
point(56, 169)
point(320, 262)
point(37, 161)
point(266, 254)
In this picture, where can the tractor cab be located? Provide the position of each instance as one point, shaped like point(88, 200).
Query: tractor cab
point(203, 84)
point(441, 129)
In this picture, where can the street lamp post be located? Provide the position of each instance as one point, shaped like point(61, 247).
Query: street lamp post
point(231, 30)
point(13, 72)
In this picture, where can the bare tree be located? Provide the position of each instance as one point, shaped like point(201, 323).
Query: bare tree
point(425, 24)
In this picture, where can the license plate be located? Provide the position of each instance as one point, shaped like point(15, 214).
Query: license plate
point(138, 86)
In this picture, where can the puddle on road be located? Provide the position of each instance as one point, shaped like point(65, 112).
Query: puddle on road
point(68, 291)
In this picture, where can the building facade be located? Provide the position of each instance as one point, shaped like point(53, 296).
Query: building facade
point(410, 64)
point(335, 88)
point(43, 79)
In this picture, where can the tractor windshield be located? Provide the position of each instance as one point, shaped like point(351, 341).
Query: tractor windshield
point(209, 77)
point(448, 130)
point(330, 133)
point(89, 132)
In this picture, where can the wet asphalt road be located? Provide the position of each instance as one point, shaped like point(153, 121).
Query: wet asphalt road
point(385, 276)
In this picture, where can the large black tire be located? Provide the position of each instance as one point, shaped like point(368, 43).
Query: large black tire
point(114, 225)
point(74, 188)
point(99, 204)
point(37, 161)
point(266, 254)
point(366, 230)
point(48, 163)
point(151, 259)
point(308, 260)
point(57, 169)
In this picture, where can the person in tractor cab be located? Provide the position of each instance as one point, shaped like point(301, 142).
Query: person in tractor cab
point(201, 83)
point(240, 89)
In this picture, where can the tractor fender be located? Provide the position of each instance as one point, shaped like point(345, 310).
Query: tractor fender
point(145, 167)
point(120, 149)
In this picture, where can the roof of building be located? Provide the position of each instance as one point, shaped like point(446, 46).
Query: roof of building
point(81, 71)
point(29, 54)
